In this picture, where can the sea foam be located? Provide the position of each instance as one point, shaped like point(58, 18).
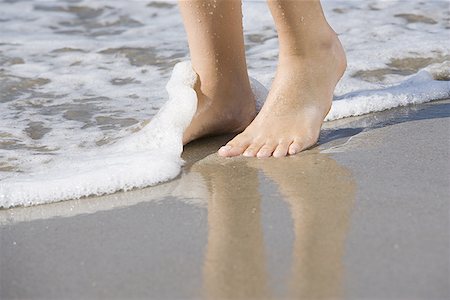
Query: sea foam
point(145, 158)
point(419, 88)
point(153, 154)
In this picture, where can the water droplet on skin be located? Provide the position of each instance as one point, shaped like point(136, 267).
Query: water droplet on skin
point(302, 19)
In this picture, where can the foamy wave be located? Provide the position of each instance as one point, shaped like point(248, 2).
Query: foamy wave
point(420, 88)
point(153, 155)
point(146, 158)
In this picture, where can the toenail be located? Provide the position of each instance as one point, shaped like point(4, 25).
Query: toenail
point(278, 154)
point(263, 154)
point(225, 148)
point(248, 153)
point(293, 150)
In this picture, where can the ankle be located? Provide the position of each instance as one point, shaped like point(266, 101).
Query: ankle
point(326, 51)
point(309, 46)
point(217, 87)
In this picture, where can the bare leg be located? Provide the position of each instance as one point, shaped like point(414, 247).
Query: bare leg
point(226, 103)
point(311, 62)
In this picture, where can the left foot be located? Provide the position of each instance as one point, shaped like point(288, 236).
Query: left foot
point(227, 107)
point(300, 98)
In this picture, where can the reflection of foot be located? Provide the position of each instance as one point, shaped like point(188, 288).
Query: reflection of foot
point(299, 100)
point(222, 108)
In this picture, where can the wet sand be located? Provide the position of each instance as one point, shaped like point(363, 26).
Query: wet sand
point(365, 215)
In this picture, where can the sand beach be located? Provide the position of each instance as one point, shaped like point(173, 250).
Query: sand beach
point(364, 214)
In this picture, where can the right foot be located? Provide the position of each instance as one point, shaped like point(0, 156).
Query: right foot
point(221, 108)
point(299, 100)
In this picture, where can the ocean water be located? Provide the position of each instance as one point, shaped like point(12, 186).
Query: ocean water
point(80, 79)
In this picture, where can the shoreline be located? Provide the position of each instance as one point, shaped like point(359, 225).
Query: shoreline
point(334, 137)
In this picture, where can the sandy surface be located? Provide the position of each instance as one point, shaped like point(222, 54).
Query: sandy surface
point(363, 216)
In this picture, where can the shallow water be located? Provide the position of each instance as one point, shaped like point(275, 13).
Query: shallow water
point(80, 74)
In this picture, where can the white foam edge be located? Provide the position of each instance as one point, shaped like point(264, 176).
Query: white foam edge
point(419, 88)
point(146, 158)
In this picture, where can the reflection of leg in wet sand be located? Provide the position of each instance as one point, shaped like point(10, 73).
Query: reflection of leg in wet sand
point(234, 265)
point(320, 193)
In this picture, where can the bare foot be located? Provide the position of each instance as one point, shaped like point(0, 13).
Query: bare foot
point(296, 106)
point(225, 107)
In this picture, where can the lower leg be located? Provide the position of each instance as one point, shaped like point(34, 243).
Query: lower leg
point(216, 44)
point(311, 61)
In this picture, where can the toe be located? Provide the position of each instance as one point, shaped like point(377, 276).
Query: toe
point(281, 150)
point(296, 147)
point(252, 150)
point(266, 150)
point(234, 147)
point(230, 150)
